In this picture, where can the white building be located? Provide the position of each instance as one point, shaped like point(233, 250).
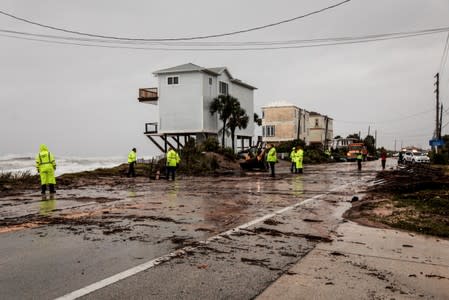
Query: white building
point(321, 129)
point(183, 97)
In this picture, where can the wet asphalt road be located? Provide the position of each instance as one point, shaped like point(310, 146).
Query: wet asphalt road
point(51, 248)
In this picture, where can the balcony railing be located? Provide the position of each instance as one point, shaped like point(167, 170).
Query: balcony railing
point(148, 95)
point(150, 128)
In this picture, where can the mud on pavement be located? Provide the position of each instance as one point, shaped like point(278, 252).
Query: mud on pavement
point(239, 263)
point(186, 213)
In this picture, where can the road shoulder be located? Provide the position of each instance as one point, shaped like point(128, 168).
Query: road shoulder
point(368, 263)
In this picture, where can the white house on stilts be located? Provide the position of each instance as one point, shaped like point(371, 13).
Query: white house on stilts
point(183, 97)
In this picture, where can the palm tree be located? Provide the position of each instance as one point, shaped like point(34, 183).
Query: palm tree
point(238, 119)
point(257, 120)
point(223, 106)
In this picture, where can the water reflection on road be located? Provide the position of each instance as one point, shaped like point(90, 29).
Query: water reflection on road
point(298, 186)
point(217, 203)
point(47, 205)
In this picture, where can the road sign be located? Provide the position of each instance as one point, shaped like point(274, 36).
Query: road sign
point(436, 143)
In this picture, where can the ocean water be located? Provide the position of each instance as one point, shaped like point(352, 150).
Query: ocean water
point(22, 163)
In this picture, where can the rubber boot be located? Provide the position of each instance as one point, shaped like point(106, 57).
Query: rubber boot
point(43, 189)
point(52, 188)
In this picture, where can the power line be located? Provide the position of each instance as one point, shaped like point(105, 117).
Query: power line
point(387, 121)
point(391, 35)
point(403, 136)
point(446, 110)
point(177, 38)
point(444, 56)
point(343, 42)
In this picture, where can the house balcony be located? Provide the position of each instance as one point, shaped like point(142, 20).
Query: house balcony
point(148, 95)
point(151, 128)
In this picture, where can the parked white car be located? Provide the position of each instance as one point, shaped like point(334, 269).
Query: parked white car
point(416, 157)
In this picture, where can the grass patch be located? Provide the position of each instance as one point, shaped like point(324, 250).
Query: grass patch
point(426, 226)
point(425, 203)
point(417, 199)
point(424, 212)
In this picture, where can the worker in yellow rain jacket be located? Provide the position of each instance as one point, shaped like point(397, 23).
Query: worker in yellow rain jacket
point(359, 160)
point(46, 166)
point(173, 160)
point(293, 160)
point(272, 158)
point(299, 158)
point(132, 160)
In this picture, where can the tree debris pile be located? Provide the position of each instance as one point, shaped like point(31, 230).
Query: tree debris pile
point(409, 179)
point(413, 198)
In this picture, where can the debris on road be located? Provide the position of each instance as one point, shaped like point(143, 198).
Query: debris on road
point(413, 198)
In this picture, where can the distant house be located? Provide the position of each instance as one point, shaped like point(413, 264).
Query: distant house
point(183, 97)
point(321, 129)
point(284, 122)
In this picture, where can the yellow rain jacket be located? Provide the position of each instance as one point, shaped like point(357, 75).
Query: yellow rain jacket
point(271, 157)
point(46, 165)
point(299, 157)
point(132, 157)
point(292, 155)
point(173, 158)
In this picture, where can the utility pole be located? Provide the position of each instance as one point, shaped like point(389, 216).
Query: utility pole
point(369, 127)
point(441, 121)
point(375, 139)
point(437, 92)
point(394, 145)
point(325, 132)
point(298, 135)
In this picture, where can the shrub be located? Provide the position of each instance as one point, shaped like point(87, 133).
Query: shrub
point(227, 153)
point(210, 144)
point(440, 158)
point(314, 156)
point(286, 147)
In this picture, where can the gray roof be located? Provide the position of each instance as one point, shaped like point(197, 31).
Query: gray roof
point(184, 68)
point(220, 70)
point(217, 71)
point(239, 82)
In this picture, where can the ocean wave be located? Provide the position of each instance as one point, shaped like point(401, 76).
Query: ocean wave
point(14, 157)
point(23, 163)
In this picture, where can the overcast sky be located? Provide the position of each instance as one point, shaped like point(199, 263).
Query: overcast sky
point(82, 101)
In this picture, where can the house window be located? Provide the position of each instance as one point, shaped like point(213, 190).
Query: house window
point(271, 131)
point(173, 80)
point(210, 80)
point(223, 89)
point(316, 122)
point(268, 130)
